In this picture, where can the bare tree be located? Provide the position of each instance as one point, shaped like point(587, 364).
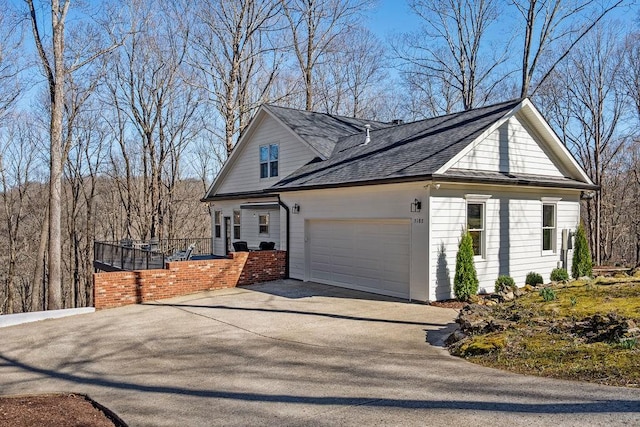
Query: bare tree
point(631, 71)
point(314, 26)
point(236, 54)
point(10, 62)
point(154, 111)
point(58, 69)
point(553, 28)
point(353, 76)
point(17, 160)
point(449, 56)
point(589, 107)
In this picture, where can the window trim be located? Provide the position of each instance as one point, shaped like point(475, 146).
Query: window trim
point(478, 199)
point(266, 224)
point(554, 228)
point(483, 227)
point(217, 224)
point(236, 225)
point(269, 163)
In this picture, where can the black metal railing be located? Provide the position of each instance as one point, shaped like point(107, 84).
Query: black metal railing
point(143, 254)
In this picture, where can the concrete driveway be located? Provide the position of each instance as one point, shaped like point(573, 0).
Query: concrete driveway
point(288, 353)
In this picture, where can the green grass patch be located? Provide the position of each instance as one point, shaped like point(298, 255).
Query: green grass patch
point(543, 339)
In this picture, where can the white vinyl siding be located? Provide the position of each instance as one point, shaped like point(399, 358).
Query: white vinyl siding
point(244, 174)
point(371, 203)
point(248, 224)
point(513, 224)
point(251, 226)
point(511, 148)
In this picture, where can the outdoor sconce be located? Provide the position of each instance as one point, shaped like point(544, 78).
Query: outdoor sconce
point(296, 208)
point(416, 206)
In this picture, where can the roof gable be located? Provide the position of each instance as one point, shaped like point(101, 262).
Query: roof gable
point(543, 144)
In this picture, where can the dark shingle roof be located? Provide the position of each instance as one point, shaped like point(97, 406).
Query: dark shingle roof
point(415, 149)
point(321, 131)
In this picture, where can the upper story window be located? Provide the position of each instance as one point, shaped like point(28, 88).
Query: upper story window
point(476, 226)
point(236, 225)
point(269, 160)
point(217, 222)
point(548, 227)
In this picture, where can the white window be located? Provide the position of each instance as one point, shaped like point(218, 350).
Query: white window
point(476, 226)
point(269, 155)
point(217, 221)
point(549, 227)
point(236, 225)
point(263, 224)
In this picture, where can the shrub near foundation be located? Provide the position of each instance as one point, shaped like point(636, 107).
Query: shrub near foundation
point(582, 265)
point(533, 279)
point(505, 283)
point(559, 274)
point(465, 282)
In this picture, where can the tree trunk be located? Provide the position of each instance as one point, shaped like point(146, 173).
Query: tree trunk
point(54, 300)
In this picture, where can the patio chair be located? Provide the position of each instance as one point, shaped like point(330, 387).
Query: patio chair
point(240, 246)
point(267, 246)
point(182, 255)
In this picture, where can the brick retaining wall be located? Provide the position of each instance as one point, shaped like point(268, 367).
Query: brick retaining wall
point(186, 277)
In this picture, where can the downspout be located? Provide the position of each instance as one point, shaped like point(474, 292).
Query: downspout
point(288, 238)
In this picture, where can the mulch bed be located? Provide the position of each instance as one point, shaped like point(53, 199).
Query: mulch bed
point(56, 410)
point(450, 303)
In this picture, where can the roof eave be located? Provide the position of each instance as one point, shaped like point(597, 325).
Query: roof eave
point(517, 182)
point(445, 178)
point(236, 196)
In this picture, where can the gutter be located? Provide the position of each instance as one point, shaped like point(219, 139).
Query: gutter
point(288, 238)
point(444, 178)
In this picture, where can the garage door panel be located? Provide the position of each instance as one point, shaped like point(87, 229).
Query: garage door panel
point(365, 255)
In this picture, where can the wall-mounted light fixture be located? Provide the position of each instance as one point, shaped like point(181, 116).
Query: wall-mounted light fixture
point(416, 206)
point(296, 208)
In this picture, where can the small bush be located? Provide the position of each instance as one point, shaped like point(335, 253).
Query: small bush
point(559, 274)
point(533, 279)
point(629, 343)
point(582, 264)
point(465, 282)
point(505, 283)
point(548, 294)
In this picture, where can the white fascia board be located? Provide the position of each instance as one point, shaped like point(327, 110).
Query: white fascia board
point(478, 140)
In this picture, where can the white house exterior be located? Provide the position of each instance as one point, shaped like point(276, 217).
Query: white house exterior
point(385, 216)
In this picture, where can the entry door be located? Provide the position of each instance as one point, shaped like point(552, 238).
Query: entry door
point(227, 234)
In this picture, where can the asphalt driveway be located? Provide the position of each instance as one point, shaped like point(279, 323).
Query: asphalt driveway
point(288, 353)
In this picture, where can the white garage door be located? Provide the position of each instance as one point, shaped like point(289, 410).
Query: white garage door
point(371, 256)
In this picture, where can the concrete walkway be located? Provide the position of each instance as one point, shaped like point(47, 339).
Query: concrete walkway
point(288, 353)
